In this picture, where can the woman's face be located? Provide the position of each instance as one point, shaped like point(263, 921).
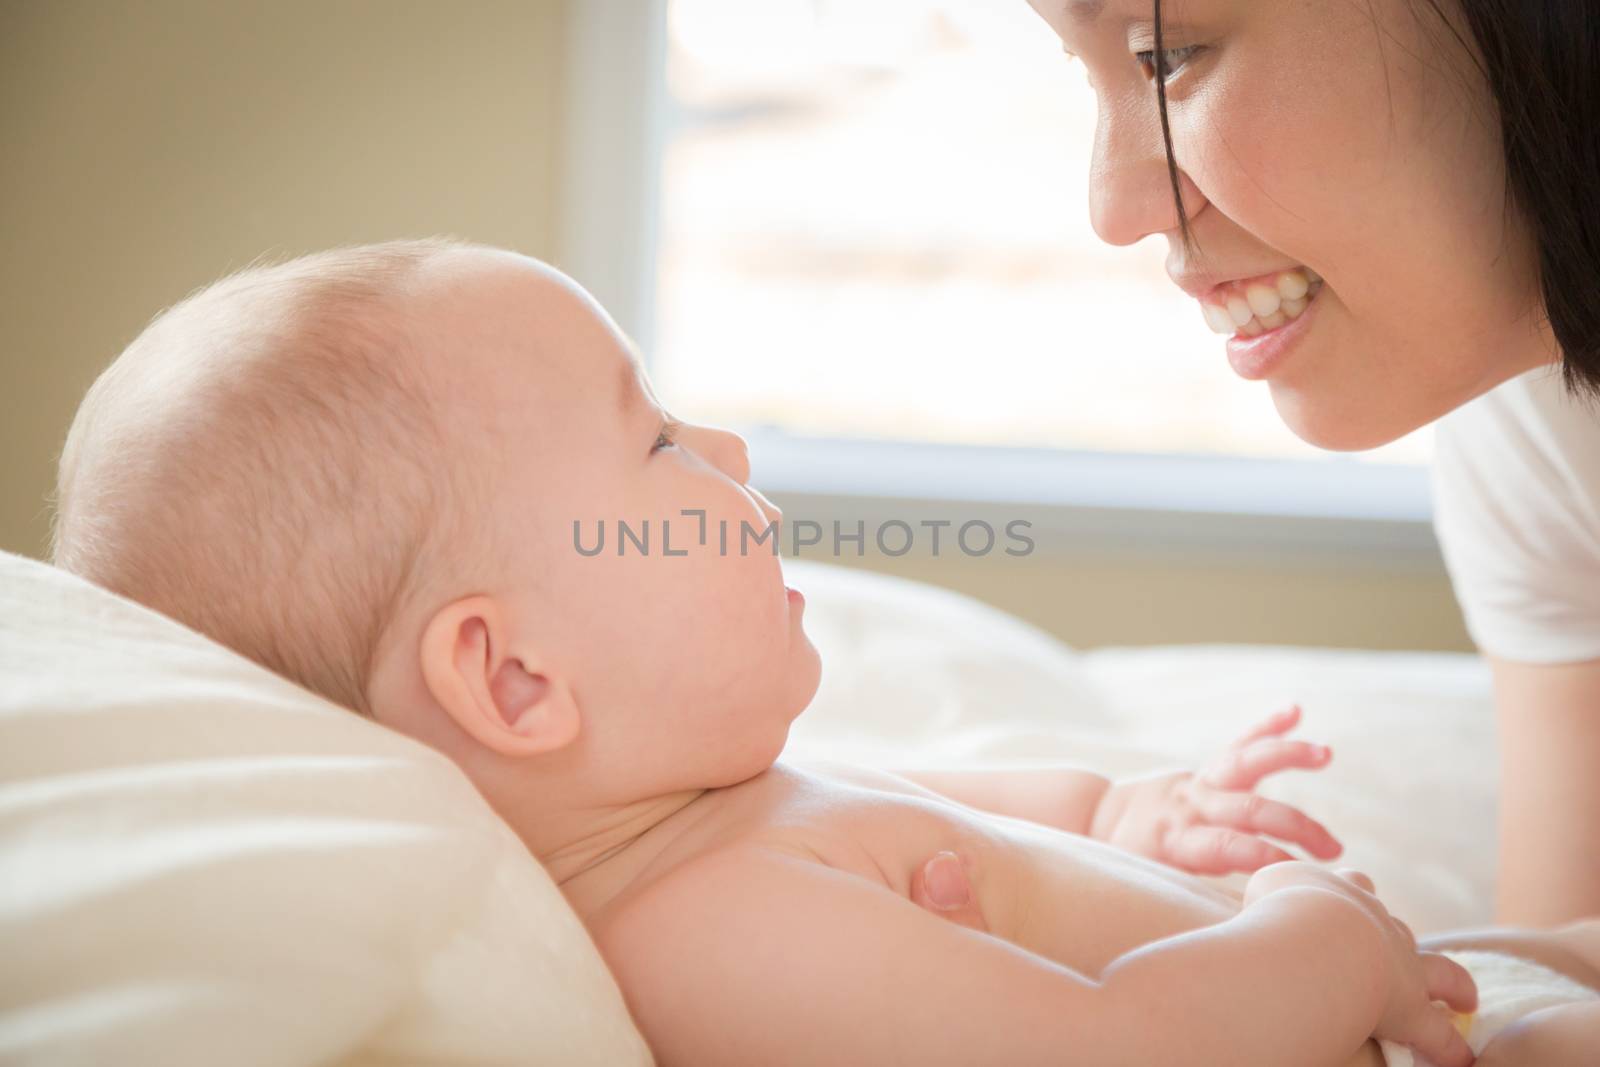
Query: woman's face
point(1356, 139)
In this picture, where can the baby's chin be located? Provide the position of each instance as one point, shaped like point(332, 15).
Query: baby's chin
point(807, 674)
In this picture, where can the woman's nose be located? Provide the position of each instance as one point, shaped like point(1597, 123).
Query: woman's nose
point(1130, 187)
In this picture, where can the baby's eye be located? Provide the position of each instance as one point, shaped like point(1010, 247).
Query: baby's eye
point(668, 436)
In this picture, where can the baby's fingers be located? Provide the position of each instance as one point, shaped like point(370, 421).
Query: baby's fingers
point(1255, 814)
point(1438, 1039)
point(1242, 768)
point(1448, 981)
point(1215, 850)
point(1280, 722)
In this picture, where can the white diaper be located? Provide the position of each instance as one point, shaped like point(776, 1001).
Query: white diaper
point(1509, 988)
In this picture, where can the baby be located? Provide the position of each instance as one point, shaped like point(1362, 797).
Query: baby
point(368, 470)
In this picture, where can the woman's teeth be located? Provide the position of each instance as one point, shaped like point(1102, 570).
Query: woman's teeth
point(1249, 308)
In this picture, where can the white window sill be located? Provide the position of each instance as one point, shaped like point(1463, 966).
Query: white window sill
point(1338, 512)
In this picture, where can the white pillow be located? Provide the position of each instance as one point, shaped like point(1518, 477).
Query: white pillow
point(201, 863)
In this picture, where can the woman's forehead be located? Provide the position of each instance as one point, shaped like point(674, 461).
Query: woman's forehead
point(1081, 20)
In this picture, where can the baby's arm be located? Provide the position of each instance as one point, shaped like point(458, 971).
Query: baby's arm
point(1058, 796)
point(1207, 822)
point(753, 956)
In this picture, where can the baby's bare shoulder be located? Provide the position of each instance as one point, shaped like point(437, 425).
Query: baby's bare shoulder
point(857, 775)
point(837, 817)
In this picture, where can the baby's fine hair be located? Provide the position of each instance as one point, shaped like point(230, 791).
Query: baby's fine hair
point(263, 464)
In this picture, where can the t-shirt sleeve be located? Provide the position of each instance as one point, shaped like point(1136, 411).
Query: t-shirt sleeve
point(1516, 499)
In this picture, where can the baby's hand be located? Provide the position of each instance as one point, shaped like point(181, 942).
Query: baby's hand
point(1211, 822)
point(1413, 980)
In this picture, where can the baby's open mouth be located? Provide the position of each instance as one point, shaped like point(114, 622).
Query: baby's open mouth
point(1251, 306)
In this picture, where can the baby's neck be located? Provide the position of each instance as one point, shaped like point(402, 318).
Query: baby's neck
point(591, 853)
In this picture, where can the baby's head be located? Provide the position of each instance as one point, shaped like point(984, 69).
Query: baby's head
point(370, 470)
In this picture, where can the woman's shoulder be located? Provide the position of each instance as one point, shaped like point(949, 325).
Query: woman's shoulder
point(1516, 499)
point(1535, 413)
point(1528, 444)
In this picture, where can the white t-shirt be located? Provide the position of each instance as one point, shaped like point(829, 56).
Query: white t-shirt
point(1516, 497)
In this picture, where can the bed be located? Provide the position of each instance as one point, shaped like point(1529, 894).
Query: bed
point(199, 860)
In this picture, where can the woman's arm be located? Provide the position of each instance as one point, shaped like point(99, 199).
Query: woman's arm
point(1549, 725)
point(752, 956)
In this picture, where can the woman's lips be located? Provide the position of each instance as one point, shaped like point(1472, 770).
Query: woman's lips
point(1256, 357)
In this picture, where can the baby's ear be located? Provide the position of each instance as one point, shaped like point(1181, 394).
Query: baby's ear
point(500, 697)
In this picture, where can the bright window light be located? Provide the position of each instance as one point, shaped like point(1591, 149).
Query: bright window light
point(874, 223)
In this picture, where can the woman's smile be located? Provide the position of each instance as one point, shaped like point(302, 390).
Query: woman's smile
point(1251, 306)
point(1255, 356)
point(1256, 313)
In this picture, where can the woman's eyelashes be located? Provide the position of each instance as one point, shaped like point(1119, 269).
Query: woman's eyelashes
point(1147, 60)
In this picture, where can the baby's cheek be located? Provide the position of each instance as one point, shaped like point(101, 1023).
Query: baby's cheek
point(715, 586)
point(756, 604)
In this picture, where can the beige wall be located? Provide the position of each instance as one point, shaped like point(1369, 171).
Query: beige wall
point(147, 148)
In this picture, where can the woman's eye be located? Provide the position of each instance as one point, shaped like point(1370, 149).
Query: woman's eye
point(666, 438)
point(1147, 59)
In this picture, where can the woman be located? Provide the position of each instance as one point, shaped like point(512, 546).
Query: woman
point(1436, 163)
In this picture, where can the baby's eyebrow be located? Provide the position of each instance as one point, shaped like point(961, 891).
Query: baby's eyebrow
point(627, 388)
point(632, 382)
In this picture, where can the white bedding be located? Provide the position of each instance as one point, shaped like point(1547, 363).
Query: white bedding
point(202, 864)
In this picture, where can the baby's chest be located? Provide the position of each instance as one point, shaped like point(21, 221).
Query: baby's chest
point(885, 838)
point(1077, 901)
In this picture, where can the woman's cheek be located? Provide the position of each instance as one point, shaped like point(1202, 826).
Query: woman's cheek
point(1255, 154)
point(1279, 105)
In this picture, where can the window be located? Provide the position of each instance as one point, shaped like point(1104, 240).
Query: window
point(874, 224)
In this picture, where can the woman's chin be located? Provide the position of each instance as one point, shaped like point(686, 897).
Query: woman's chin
point(1342, 425)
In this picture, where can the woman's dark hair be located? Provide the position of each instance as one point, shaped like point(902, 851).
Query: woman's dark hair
point(1541, 60)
